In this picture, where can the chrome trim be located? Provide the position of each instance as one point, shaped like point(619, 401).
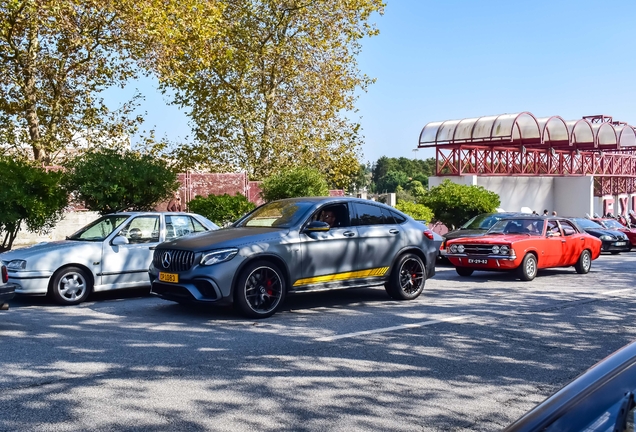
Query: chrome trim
point(495, 257)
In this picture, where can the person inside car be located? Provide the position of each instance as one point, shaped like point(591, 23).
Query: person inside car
point(329, 216)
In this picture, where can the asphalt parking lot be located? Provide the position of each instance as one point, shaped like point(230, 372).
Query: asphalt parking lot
point(471, 354)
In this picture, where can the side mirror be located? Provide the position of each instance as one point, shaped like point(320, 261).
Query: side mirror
point(119, 240)
point(317, 226)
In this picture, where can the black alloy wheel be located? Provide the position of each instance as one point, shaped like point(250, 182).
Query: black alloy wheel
point(260, 289)
point(408, 278)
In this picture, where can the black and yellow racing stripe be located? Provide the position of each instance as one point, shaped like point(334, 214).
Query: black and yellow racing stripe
point(380, 271)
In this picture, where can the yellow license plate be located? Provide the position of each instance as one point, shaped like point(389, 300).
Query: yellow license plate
point(169, 277)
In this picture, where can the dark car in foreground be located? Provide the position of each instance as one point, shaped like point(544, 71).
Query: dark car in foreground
point(7, 290)
point(283, 247)
point(475, 227)
point(614, 241)
point(600, 400)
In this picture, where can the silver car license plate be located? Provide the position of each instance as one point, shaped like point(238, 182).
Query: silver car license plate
point(477, 261)
point(620, 243)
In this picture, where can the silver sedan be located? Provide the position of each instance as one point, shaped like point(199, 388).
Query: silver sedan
point(112, 252)
point(297, 245)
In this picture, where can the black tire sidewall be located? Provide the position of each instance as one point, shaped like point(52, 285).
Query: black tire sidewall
point(465, 270)
point(240, 301)
point(57, 277)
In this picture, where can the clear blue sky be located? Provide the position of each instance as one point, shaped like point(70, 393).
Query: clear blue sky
point(455, 59)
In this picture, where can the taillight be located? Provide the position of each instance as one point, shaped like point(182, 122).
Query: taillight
point(5, 274)
point(428, 234)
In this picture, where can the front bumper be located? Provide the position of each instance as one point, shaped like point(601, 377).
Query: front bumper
point(611, 246)
point(206, 285)
point(30, 282)
point(484, 262)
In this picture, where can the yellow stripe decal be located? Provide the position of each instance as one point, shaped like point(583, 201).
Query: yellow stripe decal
point(380, 271)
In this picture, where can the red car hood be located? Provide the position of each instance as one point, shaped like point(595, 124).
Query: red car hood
point(494, 239)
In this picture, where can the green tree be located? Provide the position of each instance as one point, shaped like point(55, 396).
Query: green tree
point(296, 182)
point(454, 204)
point(221, 209)
point(269, 92)
point(30, 196)
point(391, 181)
point(416, 211)
point(108, 180)
point(416, 188)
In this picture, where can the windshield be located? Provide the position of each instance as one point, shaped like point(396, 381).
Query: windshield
point(611, 223)
point(530, 226)
point(482, 221)
point(277, 214)
point(586, 223)
point(99, 229)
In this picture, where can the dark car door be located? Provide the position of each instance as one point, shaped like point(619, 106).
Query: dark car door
point(381, 238)
point(329, 256)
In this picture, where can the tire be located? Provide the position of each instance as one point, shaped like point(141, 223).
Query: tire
point(260, 289)
point(71, 286)
point(584, 263)
point(407, 279)
point(464, 271)
point(527, 271)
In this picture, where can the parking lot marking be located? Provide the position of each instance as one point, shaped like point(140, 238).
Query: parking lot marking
point(616, 291)
point(389, 329)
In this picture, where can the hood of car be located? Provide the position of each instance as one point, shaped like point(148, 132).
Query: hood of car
point(494, 239)
point(45, 248)
point(463, 233)
point(227, 237)
point(596, 232)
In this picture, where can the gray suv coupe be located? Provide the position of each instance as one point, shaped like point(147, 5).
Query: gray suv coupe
point(285, 246)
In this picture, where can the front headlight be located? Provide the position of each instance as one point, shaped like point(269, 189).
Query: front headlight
point(495, 249)
point(504, 250)
point(606, 237)
point(460, 248)
point(218, 256)
point(453, 249)
point(16, 265)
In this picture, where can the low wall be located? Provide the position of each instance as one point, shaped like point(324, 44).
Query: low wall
point(71, 222)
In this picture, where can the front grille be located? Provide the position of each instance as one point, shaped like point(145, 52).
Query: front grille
point(180, 261)
point(478, 249)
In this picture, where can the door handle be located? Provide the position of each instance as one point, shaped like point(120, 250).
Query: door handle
point(582, 239)
point(394, 231)
point(562, 241)
point(348, 233)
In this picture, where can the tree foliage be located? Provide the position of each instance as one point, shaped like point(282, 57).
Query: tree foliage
point(296, 182)
point(55, 59)
point(453, 203)
point(108, 180)
point(221, 209)
point(416, 211)
point(268, 92)
point(30, 196)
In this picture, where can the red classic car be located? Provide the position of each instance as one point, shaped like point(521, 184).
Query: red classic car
point(525, 245)
point(615, 225)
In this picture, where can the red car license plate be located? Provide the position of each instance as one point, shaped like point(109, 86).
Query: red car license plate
point(477, 261)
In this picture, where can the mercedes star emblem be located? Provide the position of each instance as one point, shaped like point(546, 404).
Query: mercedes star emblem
point(165, 259)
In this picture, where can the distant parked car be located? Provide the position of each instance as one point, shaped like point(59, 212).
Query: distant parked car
point(7, 290)
point(475, 227)
point(285, 246)
point(600, 400)
point(112, 252)
point(525, 244)
point(614, 241)
point(613, 224)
